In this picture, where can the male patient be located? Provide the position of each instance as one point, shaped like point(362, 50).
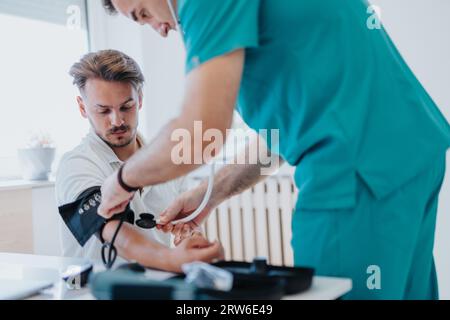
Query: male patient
point(110, 85)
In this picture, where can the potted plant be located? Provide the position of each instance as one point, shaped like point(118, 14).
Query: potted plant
point(37, 157)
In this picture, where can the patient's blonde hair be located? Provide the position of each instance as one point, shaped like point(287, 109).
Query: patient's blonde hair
point(108, 65)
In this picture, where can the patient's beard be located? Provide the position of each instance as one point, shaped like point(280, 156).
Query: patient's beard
point(121, 144)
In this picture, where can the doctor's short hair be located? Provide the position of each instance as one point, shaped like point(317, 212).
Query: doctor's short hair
point(109, 7)
point(108, 65)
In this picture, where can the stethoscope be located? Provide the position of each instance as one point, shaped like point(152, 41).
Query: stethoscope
point(207, 196)
point(147, 220)
point(175, 18)
point(109, 251)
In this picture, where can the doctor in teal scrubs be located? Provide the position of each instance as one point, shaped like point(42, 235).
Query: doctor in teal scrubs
point(367, 141)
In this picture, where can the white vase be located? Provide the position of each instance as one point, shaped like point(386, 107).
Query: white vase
point(36, 163)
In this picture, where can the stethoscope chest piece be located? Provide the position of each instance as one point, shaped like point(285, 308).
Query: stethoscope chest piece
point(146, 221)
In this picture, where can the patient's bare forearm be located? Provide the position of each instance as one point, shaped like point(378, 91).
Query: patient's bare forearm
point(133, 246)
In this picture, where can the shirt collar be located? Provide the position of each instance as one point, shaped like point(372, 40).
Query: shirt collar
point(106, 150)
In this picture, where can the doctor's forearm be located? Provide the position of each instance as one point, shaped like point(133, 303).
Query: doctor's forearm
point(210, 98)
point(234, 179)
point(154, 164)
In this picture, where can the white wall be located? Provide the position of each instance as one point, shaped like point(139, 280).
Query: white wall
point(164, 69)
point(421, 31)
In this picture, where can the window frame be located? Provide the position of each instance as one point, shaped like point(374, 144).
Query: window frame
point(16, 174)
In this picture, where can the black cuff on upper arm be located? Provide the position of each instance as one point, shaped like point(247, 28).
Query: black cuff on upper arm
point(81, 215)
point(82, 219)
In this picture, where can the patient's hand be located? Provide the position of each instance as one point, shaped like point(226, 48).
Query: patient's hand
point(185, 231)
point(194, 248)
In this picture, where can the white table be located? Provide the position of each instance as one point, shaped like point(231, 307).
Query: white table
point(323, 288)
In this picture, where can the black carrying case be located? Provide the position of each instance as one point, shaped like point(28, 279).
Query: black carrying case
point(251, 281)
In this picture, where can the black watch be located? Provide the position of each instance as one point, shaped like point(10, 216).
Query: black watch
point(126, 187)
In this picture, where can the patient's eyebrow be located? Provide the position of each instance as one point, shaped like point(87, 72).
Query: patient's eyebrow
point(129, 100)
point(122, 104)
point(101, 106)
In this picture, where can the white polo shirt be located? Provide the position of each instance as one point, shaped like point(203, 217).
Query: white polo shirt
point(88, 165)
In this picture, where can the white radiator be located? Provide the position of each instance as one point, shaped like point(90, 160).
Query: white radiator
point(257, 223)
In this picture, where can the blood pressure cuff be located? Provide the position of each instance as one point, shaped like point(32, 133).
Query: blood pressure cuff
point(82, 219)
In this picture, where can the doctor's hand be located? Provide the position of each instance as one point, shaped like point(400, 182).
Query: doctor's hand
point(182, 207)
point(114, 198)
point(195, 248)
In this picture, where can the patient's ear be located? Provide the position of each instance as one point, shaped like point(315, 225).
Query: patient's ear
point(141, 98)
point(82, 107)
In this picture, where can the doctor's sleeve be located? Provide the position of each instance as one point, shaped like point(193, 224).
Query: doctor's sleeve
point(213, 28)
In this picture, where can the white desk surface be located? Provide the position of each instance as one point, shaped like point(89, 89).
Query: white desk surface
point(323, 288)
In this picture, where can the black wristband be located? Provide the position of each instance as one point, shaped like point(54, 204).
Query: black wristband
point(126, 187)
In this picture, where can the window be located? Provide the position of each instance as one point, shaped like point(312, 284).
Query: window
point(40, 39)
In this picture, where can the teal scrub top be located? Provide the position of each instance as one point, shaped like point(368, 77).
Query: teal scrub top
point(343, 99)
